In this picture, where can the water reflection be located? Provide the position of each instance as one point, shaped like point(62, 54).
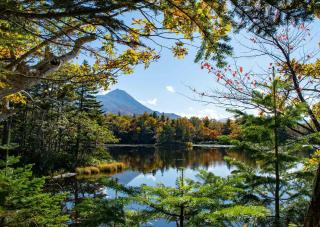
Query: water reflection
point(150, 165)
point(147, 165)
point(149, 159)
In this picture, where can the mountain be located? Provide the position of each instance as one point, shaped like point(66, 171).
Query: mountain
point(119, 101)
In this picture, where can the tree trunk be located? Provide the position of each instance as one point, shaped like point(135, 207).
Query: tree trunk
point(76, 201)
point(6, 141)
point(312, 218)
point(181, 224)
point(2, 220)
point(181, 218)
point(276, 152)
point(77, 147)
point(6, 132)
point(24, 77)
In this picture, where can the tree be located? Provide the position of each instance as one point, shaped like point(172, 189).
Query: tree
point(184, 130)
point(23, 202)
point(195, 203)
point(97, 211)
point(149, 129)
point(265, 18)
point(166, 134)
point(264, 27)
point(227, 127)
point(39, 31)
point(22, 199)
point(267, 140)
point(40, 37)
point(277, 30)
point(198, 128)
point(80, 131)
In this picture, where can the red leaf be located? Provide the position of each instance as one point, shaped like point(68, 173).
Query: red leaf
point(241, 69)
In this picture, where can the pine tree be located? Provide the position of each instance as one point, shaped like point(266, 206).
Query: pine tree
point(23, 202)
point(194, 203)
point(276, 182)
point(80, 128)
point(166, 134)
point(22, 199)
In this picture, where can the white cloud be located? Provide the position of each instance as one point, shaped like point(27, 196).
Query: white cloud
point(152, 102)
point(211, 113)
point(170, 89)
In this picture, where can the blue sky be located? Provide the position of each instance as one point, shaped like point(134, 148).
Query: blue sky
point(164, 85)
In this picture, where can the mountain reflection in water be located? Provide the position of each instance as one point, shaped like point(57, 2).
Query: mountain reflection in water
point(152, 165)
point(146, 165)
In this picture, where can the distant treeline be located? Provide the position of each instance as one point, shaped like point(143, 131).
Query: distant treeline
point(154, 128)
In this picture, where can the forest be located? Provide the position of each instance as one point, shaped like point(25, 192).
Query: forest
point(151, 129)
point(57, 163)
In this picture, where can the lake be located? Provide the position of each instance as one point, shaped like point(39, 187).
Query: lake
point(151, 165)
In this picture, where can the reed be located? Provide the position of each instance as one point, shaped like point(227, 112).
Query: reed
point(80, 171)
point(86, 171)
point(113, 167)
point(94, 170)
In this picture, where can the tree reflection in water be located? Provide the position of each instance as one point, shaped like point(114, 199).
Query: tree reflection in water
point(140, 160)
point(151, 159)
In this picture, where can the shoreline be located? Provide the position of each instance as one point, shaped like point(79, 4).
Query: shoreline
point(154, 145)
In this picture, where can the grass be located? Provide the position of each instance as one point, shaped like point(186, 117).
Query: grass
point(113, 167)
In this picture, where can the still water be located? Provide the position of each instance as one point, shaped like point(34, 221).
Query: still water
point(150, 166)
